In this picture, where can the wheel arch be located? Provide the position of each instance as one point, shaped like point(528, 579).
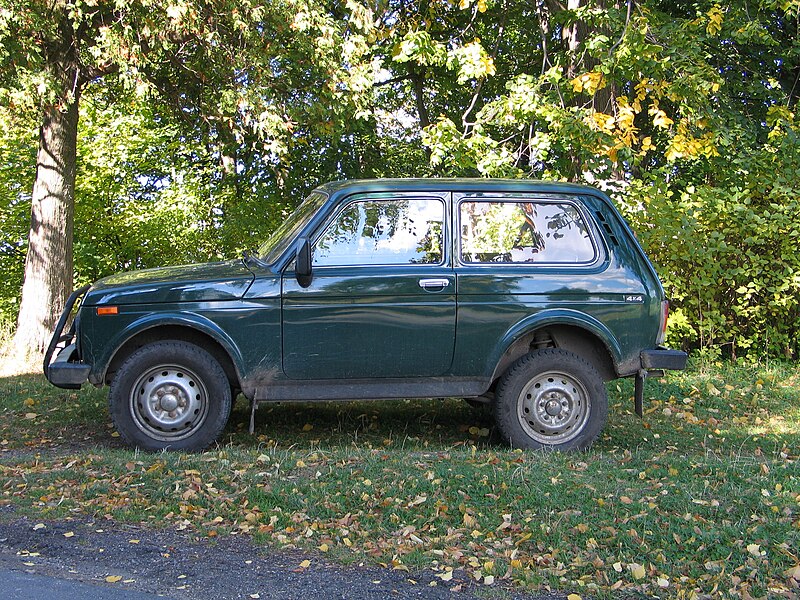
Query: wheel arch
point(197, 331)
point(570, 330)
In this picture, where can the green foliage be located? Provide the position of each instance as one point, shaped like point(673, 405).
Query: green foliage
point(729, 251)
point(17, 167)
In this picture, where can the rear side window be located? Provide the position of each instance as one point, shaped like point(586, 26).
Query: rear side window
point(384, 232)
point(524, 232)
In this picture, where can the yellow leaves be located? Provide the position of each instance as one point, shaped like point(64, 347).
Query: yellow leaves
point(714, 25)
point(397, 565)
point(69, 534)
point(479, 431)
point(589, 83)
point(305, 564)
point(779, 119)
point(28, 402)
point(113, 578)
point(637, 570)
point(308, 427)
point(480, 5)
point(421, 499)
point(755, 550)
point(660, 118)
point(487, 62)
point(601, 122)
point(683, 145)
point(447, 575)
point(574, 597)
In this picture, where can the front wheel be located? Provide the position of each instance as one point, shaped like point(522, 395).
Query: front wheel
point(170, 395)
point(551, 399)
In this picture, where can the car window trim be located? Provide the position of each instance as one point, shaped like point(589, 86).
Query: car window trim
point(600, 250)
point(375, 196)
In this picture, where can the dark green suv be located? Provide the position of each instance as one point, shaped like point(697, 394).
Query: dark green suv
point(525, 295)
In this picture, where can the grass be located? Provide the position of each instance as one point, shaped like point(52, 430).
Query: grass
point(701, 499)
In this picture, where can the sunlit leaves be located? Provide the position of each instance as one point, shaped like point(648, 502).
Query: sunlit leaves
point(470, 62)
point(418, 46)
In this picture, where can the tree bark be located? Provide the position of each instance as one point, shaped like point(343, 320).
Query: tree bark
point(48, 265)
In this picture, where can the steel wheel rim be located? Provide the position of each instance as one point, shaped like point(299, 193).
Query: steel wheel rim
point(553, 408)
point(169, 403)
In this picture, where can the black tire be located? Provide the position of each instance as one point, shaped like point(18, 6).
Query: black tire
point(551, 399)
point(190, 383)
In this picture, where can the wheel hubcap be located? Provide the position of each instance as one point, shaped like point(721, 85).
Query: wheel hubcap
point(553, 408)
point(169, 402)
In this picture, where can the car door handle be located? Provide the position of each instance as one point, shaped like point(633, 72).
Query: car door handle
point(426, 284)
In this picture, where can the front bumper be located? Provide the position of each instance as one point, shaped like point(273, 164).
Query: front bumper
point(66, 371)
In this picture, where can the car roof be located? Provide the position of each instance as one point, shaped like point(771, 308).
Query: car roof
point(456, 185)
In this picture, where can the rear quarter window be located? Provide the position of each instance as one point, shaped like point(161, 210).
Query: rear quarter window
point(525, 232)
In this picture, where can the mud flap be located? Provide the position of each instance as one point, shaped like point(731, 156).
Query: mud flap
point(638, 392)
point(253, 407)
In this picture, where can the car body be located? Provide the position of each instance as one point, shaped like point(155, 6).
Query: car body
point(524, 294)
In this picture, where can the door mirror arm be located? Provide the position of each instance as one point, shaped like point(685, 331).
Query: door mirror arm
point(302, 269)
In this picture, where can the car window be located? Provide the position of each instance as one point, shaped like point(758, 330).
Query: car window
point(524, 232)
point(383, 232)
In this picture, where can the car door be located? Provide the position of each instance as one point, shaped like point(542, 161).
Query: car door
point(519, 254)
point(381, 301)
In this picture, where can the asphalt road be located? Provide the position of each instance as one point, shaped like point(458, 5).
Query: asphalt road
point(72, 560)
point(18, 585)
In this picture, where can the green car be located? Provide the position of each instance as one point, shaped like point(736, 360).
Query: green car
point(525, 295)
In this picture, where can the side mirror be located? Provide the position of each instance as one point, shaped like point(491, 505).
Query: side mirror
point(302, 269)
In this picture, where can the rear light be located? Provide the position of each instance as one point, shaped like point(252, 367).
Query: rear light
point(662, 332)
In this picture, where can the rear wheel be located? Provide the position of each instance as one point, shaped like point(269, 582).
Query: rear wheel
point(170, 395)
point(551, 399)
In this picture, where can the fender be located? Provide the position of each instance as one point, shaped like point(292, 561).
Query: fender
point(555, 316)
point(151, 321)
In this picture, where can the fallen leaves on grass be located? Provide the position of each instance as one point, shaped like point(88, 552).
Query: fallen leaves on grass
point(694, 518)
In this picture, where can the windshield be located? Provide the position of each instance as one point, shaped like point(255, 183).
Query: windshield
point(274, 246)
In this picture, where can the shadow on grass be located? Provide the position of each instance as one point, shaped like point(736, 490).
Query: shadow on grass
point(720, 410)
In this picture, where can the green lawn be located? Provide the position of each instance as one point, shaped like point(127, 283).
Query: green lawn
point(702, 498)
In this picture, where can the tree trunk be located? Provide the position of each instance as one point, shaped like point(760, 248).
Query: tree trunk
point(48, 265)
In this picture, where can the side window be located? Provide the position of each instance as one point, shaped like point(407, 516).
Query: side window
point(524, 232)
point(383, 232)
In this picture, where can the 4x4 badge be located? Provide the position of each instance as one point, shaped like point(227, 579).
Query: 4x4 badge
point(634, 299)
